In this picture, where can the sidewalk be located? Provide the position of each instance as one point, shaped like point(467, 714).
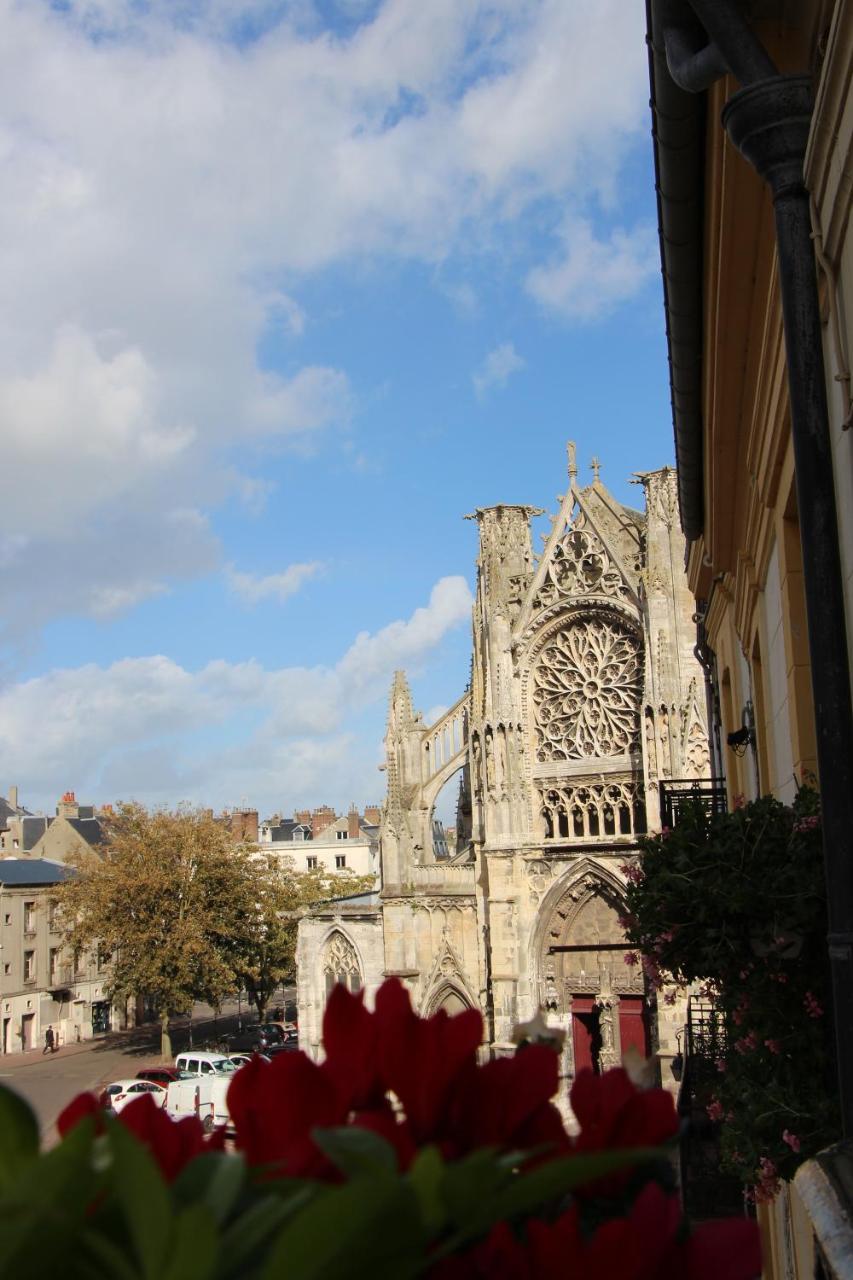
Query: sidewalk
point(111, 1040)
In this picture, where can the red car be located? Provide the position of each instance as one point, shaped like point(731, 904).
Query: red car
point(159, 1075)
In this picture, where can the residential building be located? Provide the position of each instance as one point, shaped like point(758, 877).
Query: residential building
point(753, 137)
point(74, 829)
point(42, 983)
point(323, 841)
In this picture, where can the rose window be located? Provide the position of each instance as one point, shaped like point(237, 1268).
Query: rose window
point(586, 692)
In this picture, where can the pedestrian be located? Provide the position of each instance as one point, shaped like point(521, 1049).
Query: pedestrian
point(49, 1042)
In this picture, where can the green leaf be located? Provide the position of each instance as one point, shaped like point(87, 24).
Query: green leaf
point(426, 1176)
point(214, 1180)
point(557, 1177)
point(19, 1136)
point(355, 1151)
point(369, 1226)
point(140, 1190)
point(247, 1237)
point(43, 1211)
point(194, 1246)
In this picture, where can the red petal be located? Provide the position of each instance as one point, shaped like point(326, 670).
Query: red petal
point(85, 1104)
point(173, 1143)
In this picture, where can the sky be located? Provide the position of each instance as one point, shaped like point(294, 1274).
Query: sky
point(288, 288)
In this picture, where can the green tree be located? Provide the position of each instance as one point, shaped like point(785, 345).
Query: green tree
point(163, 903)
point(272, 897)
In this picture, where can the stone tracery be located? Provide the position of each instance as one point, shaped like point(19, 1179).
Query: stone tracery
point(340, 964)
point(586, 691)
point(580, 566)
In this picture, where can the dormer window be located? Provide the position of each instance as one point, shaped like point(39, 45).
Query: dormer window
point(342, 835)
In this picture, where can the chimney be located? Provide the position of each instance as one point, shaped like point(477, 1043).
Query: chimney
point(13, 797)
point(67, 807)
point(303, 817)
point(322, 818)
point(372, 814)
point(353, 824)
point(244, 825)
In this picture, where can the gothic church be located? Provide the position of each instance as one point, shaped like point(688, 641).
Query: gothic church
point(585, 693)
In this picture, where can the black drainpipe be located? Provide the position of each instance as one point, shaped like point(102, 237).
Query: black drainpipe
point(768, 121)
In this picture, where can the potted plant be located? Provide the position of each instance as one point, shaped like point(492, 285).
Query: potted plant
point(399, 1155)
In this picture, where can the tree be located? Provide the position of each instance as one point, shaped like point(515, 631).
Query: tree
point(163, 903)
point(273, 895)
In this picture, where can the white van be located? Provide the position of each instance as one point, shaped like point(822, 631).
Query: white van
point(199, 1062)
point(200, 1095)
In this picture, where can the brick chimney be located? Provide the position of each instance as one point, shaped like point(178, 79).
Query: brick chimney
point(244, 825)
point(353, 824)
point(67, 807)
point(13, 797)
point(372, 814)
point(322, 818)
point(303, 817)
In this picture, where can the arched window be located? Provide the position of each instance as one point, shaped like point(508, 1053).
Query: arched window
point(340, 964)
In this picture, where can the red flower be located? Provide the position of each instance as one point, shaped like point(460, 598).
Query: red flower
point(506, 1103)
point(647, 1245)
point(421, 1058)
point(349, 1038)
point(275, 1106)
point(613, 1114)
point(85, 1104)
point(172, 1143)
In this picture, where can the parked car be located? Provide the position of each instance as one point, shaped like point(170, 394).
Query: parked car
point(160, 1075)
point(286, 1046)
point(251, 1040)
point(117, 1095)
point(240, 1059)
point(201, 1062)
point(280, 1030)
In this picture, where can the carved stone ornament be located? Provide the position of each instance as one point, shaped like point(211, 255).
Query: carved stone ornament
point(586, 692)
point(340, 962)
point(580, 566)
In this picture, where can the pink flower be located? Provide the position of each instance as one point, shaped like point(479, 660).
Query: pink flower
point(773, 1045)
point(807, 824)
point(747, 1043)
point(812, 1005)
point(631, 958)
point(632, 872)
point(791, 1138)
point(720, 1064)
point(665, 833)
point(739, 802)
point(715, 1110)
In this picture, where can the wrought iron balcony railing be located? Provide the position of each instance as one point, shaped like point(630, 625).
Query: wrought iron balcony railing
point(676, 792)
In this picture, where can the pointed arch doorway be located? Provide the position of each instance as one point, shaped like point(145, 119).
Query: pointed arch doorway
point(586, 979)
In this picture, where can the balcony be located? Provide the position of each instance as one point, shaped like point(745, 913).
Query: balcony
point(707, 1193)
point(676, 792)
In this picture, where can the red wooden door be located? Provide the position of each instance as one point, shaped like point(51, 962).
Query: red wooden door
point(633, 1032)
point(582, 1032)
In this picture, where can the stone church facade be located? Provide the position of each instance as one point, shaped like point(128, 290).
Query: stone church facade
point(585, 693)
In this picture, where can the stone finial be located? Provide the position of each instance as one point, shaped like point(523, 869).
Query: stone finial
point(595, 464)
point(573, 462)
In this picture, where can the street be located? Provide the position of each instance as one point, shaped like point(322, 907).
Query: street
point(49, 1082)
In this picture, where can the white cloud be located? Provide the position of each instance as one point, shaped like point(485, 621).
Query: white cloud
point(496, 369)
point(160, 182)
point(274, 586)
point(134, 727)
point(594, 276)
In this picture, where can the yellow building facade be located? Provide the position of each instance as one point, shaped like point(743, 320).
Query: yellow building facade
point(745, 473)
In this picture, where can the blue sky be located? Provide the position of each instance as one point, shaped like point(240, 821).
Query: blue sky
point(288, 289)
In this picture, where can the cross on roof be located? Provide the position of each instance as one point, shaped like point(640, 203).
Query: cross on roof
point(596, 467)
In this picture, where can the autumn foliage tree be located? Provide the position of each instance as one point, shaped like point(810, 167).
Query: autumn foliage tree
point(273, 895)
point(184, 913)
